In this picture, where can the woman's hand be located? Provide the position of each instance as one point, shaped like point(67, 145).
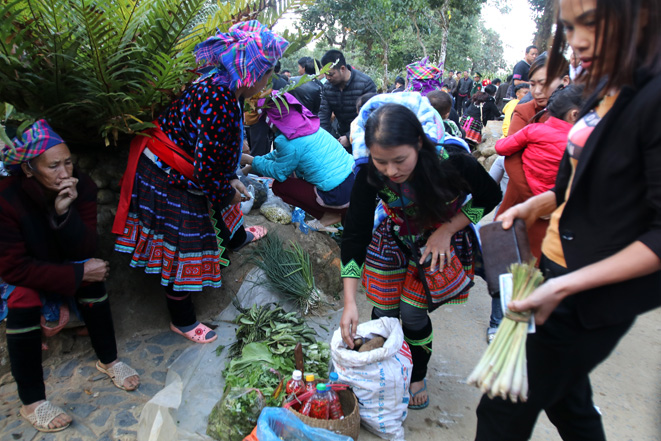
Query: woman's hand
point(241, 194)
point(519, 211)
point(529, 211)
point(96, 270)
point(246, 159)
point(438, 246)
point(542, 301)
point(67, 193)
point(246, 170)
point(349, 323)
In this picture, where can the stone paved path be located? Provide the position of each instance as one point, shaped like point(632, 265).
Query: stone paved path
point(100, 410)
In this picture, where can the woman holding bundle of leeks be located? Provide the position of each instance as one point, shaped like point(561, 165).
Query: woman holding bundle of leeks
point(602, 250)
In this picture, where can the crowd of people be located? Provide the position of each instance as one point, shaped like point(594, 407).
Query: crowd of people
point(581, 160)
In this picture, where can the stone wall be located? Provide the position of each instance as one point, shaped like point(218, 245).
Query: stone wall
point(106, 169)
point(486, 152)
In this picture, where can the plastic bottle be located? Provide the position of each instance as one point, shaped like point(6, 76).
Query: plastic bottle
point(334, 406)
point(318, 406)
point(310, 385)
point(309, 382)
point(295, 386)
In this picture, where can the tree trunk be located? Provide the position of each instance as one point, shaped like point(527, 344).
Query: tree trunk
point(386, 49)
point(444, 21)
point(544, 27)
point(417, 34)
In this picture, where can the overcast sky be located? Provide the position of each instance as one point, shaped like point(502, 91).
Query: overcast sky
point(516, 29)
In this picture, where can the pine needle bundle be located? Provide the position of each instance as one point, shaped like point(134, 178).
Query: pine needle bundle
point(288, 270)
point(502, 370)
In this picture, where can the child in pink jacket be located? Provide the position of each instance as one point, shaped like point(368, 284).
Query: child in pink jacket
point(544, 144)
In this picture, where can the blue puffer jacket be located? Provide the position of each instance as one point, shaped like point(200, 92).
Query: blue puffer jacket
point(318, 158)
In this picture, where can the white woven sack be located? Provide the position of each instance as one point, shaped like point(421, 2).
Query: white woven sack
point(380, 378)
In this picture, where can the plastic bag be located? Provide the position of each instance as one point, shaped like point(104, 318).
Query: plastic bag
point(298, 217)
point(276, 424)
point(247, 205)
point(380, 378)
point(276, 210)
point(235, 415)
point(260, 186)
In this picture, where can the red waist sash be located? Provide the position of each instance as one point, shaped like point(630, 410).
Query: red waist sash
point(166, 150)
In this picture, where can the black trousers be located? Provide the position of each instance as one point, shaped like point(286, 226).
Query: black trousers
point(561, 354)
point(24, 336)
point(459, 104)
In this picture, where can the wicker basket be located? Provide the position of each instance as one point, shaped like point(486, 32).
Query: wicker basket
point(349, 425)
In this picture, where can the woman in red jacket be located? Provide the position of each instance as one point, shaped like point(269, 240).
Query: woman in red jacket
point(543, 144)
point(48, 238)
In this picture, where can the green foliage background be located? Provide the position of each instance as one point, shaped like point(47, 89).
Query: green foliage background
point(97, 69)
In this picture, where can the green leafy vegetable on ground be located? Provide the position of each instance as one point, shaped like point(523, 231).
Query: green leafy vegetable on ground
point(288, 270)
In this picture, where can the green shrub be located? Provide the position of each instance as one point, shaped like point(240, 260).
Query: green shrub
point(97, 69)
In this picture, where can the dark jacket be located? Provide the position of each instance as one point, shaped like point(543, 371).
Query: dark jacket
point(465, 86)
point(309, 94)
point(489, 111)
point(343, 102)
point(38, 246)
point(615, 200)
point(452, 84)
point(501, 94)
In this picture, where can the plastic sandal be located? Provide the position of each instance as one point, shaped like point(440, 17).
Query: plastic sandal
point(423, 405)
point(318, 226)
point(43, 415)
point(257, 232)
point(198, 335)
point(118, 373)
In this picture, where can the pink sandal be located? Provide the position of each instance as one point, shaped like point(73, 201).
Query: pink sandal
point(257, 232)
point(198, 334)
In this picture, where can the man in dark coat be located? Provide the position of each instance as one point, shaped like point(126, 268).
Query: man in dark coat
point(309, 94)
point(463, 90)
point(343, 88)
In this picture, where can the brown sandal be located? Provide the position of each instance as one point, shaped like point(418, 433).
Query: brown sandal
point(118, 373)
point(43, 415)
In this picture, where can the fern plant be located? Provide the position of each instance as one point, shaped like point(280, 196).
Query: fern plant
point(97, 69)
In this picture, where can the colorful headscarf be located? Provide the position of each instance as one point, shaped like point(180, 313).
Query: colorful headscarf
point(243, 54)
point(432, 123)
point(424, 77)
point(295, 122)
point(35, 140)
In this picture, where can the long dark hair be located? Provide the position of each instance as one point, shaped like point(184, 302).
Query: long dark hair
point(629, 32)
point(435, 183)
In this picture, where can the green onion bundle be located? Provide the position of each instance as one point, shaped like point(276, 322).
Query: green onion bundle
point(502, 370)
point(288, 271)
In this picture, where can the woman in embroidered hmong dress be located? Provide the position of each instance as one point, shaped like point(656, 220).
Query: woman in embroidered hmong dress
point(424, 190)
point(179, 211)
